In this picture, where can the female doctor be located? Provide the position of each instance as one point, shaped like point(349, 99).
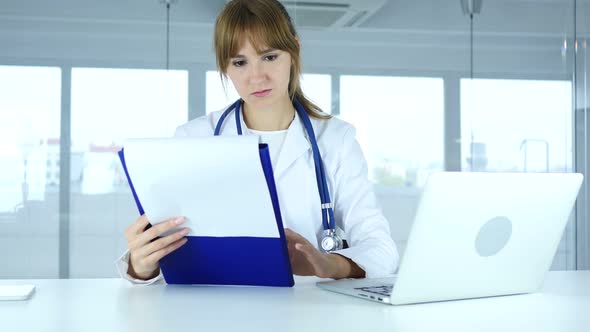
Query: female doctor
point(257, 47)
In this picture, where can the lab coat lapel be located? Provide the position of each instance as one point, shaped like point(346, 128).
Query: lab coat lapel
point(295, 144)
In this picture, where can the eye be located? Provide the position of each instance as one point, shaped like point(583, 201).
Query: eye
point(270, 57)
point(238, 63)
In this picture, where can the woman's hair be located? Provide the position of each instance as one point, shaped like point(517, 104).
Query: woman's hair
point(265, 23)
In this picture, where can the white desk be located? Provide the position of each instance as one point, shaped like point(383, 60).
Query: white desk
point(114, 305)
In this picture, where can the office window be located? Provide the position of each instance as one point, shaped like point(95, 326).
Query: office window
point(29, 181)
point(399, 122)
point(317, 87)
point(218, 96)
point(516, 125)
point(109, 106)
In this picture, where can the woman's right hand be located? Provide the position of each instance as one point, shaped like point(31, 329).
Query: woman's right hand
point(144, 255)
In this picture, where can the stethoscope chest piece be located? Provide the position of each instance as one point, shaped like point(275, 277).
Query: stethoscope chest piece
point(331, 241)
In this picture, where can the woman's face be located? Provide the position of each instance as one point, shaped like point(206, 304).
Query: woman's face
point(262, 80)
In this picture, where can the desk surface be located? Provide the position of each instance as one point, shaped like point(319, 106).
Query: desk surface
point(114, 305)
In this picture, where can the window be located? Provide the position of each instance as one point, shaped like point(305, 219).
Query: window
point(29, 154)
point(218, 95)
point(109, 106)
point(516, 125)
point(318, 88)
point(399, 122)
point(400, 125)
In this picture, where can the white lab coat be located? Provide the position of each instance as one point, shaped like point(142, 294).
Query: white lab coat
point(358, 217)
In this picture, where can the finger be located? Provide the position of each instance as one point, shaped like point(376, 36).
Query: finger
point(158, 230)
point(289, 237)
point(162, 242)
point(156, 256)
point(291, 249)
point(310, 253)
point(307, 250)
point(136, 227)
point(149, 235)
point(294, 236)
point(313, 256)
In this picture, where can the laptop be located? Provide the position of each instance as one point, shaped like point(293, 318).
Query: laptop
point(476, 235)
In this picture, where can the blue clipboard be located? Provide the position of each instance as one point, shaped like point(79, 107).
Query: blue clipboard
point(250, 261)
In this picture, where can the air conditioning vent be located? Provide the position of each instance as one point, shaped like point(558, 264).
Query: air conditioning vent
point(315, 17)
point(331, 13)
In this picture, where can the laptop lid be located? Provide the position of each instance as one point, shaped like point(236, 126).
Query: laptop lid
point(484, 234)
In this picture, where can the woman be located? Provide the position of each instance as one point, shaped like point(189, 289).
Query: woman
point(257, 47)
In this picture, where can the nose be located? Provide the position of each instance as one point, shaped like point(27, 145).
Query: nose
point(257, 73)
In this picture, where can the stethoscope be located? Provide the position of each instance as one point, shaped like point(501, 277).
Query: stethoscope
point(330, 240)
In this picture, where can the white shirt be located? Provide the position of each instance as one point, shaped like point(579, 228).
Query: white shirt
point(358, 217)
point(274, 139)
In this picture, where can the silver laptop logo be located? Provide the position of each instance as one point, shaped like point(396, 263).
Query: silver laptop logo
point(493, 236)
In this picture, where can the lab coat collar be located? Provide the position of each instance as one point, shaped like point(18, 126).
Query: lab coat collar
point(295, 144)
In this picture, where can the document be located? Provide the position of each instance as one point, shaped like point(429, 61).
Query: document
point(217, 183)
point(16, 292)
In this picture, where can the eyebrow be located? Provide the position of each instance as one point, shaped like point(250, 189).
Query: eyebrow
point(260, 53)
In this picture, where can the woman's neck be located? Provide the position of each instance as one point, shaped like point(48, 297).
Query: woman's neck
point(276, 117)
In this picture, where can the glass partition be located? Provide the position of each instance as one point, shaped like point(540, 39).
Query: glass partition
point(429, 86)
point(30, 109)
point(109, 106)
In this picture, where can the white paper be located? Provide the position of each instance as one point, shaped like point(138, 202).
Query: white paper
point(15, 292)
point(216, 183)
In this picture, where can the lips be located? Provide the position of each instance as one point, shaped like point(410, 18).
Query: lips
point(262, 93)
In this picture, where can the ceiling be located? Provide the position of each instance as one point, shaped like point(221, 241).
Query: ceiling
point(551, 17)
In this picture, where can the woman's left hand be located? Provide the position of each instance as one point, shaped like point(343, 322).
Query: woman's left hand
point(306, 260)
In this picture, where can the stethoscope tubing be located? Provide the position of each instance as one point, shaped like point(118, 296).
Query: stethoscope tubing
point(327, 207)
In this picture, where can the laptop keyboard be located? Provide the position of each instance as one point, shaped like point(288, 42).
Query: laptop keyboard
point(379, 290)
